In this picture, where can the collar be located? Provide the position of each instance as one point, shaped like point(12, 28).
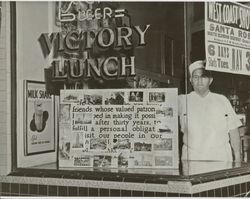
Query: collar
point(198, 96)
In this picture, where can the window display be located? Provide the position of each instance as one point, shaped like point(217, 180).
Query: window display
point(125, 128)
point(104, 68)
point(95, 46)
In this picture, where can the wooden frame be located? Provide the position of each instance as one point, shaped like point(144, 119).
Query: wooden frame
point(153, 80)
point(169, 56)
point(13, 85)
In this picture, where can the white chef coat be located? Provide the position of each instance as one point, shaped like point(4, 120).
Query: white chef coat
point(205, 122)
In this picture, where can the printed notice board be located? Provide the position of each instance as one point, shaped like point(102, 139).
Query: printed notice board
point(125, 128)
point(227, 37)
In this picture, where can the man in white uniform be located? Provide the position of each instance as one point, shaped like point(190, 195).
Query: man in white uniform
point(208, 121)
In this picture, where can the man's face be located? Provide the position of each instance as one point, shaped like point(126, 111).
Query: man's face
point(200, 83)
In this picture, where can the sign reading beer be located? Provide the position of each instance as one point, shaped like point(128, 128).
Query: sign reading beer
point(39, 119)
point(83, 12)
point(227, 37)
point(125, 128)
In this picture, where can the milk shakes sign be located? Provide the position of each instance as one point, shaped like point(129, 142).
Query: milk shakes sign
point(86, 39)
point(227, 37)
point(39, 119)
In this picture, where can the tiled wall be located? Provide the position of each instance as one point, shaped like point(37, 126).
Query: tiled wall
point(13, 189)
point(5, 144)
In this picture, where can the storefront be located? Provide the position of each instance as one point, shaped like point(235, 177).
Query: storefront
point(89, 97)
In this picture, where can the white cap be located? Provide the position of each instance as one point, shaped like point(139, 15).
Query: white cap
point(195, 65)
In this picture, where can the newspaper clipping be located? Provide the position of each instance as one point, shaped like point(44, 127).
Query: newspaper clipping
point(227, 37)
point(125, 128)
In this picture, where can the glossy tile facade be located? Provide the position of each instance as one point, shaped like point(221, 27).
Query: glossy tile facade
point(8, 189)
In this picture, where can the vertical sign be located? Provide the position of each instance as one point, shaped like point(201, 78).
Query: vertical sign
point(227, 37)
point(39, 131)
point(125, 128)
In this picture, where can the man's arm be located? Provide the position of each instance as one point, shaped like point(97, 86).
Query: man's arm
point(234, 135)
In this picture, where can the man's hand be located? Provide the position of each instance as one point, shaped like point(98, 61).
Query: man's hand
point(236, 144)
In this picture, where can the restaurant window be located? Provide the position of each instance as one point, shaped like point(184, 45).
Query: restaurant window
point(97, 86)
point(57, 57)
